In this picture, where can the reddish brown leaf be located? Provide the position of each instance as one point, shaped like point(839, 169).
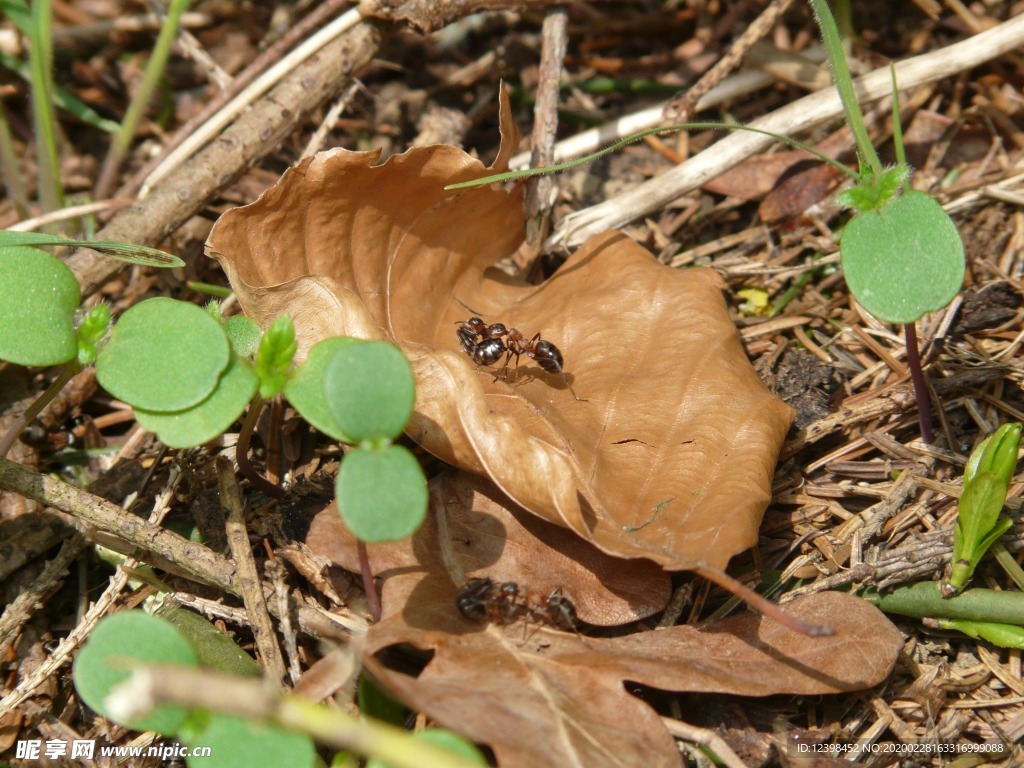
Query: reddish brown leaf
point(790, 182)
point(539, 696)
point(671, 454)
point(489, 536)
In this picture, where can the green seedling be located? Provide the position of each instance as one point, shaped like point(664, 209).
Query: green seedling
point(40, 324)
point(362, 393)
point(902, 254)
point(370, 390)
point(380, 489)
point(164, 355)
point(38, 299)
point(305, 389)
point(987, 478)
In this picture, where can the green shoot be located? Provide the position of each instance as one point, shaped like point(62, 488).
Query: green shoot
point(274, 356)
point(1001, 635)
point(51, 192)
point(987, 477)
point(844, 84)
point(15, 185)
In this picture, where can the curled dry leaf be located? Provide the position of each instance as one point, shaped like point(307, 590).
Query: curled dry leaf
point(487, 536)
point(539, 696)
point(671, 452)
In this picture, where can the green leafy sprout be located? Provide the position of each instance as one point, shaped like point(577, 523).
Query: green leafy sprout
point(987, 478)
point(995, 616)
point(189, 376)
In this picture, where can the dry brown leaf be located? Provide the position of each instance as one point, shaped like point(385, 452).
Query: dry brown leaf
point(539, 696)
point(490, 537)
point(671, 455)
point(789, 182)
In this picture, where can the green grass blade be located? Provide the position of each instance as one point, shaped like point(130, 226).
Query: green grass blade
point(18, 12)
point(844, 84)
point(9, 168)
point(134, 254)
point(150, 78)
point(61, 98)
point(51, 192)
point(700, 126)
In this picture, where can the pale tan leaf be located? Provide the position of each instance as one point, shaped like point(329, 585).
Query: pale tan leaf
point(670, 453)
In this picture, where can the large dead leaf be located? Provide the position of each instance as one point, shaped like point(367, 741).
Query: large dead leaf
point(539, 696)
point(671, 454)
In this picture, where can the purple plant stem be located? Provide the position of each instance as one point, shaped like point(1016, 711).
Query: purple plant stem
point(371, 589)
point(924, 418)
point(242, 453)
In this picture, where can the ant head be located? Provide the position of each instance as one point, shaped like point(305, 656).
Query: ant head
point(474, 324)
point(474, 598)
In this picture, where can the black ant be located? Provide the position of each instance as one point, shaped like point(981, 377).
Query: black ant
point(482, 342)
point(504, 603)
point(485, 344)
point(560, 610)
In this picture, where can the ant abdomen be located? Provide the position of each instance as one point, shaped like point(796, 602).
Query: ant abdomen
point(547, 356)
point(487, 352)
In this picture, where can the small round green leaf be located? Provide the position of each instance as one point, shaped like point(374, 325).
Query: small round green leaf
point(381, 493)
point(38, 299)
point(214, 648)
point(903, 260)
point(237, 743)
point(210, 418)
point(164, 355)
point(103, 663)
point(370, 390)
point(305, 389)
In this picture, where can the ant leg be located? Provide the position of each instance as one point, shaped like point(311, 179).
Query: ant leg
point(503, 373)
point(571, 390)
point(569, 386)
